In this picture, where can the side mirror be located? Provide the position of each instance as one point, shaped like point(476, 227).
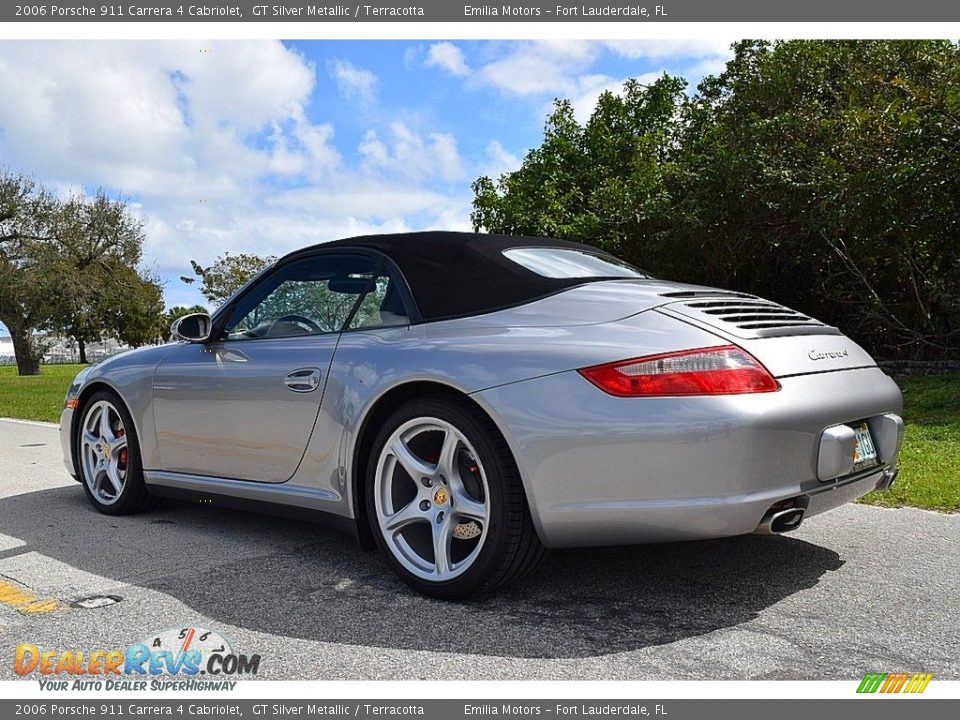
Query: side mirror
point(193, 328)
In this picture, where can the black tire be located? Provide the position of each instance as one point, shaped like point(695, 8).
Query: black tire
point(134, 496)
point(511, 548)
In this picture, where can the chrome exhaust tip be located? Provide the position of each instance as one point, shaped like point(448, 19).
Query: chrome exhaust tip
point(786, 520)
point(888, 478)
point(780, 521)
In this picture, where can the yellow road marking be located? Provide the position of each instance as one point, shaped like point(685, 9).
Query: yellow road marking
point(25, 601)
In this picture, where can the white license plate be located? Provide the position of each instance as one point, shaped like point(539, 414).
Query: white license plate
point(865, 454)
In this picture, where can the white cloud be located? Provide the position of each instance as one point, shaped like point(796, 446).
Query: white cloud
point(564, 68)
point(406, 153)
point(300, 147)
point(554, 68)
point(500, 160)
point(213, 144)
point(361, 199)
point(658, 49)
point(244, 84)
point(567, 50)
point(532, 69)
point(448, 57)
point(163, 119)
point(411, 56)
point(354, 82)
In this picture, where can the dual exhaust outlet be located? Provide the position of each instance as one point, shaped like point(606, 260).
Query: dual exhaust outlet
point(787, 515)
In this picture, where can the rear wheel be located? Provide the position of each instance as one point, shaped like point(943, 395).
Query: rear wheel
point(446, 502)
point(108, 454)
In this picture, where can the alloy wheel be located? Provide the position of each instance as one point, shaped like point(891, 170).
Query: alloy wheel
point(432, 499)
point(104, 452)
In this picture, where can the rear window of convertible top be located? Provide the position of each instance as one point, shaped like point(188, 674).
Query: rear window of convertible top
point(563, 263)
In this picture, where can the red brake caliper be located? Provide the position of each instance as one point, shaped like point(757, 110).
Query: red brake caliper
point(122, 458)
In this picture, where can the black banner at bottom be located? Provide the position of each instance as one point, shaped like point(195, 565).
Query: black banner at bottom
point(876, 708)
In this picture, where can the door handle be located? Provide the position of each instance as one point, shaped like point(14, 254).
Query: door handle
point(303, 380)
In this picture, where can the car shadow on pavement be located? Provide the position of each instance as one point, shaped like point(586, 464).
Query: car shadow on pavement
point(306, 581)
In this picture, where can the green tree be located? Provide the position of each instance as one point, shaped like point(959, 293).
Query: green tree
point(70, 265)
point(604, 182)
point(821, 174)
point(97, 245)
point(141, 319)
point(27, 285)
point(826, 175)
point(179, 311)
point(226, 275)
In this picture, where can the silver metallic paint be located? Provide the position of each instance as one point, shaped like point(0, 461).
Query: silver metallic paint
point(223, 408)
point(887, 432)
point(838, 444)
point(600, 469)
point(597, 469)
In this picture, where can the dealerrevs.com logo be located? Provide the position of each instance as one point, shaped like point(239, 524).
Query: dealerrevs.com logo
point(189, 658)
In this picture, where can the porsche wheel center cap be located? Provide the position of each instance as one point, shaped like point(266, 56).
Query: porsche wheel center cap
point(440, 497)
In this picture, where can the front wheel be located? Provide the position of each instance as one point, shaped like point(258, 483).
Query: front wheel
point(446, 502)
point(108, 454)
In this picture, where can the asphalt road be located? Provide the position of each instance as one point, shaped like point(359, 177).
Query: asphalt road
point(858, 590)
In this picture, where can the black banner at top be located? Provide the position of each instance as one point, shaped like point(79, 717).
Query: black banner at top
point(461, 11)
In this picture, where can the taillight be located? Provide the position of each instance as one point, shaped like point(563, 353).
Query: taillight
point(724, 370)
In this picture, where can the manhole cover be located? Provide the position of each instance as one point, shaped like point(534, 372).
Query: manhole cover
point(96, 601)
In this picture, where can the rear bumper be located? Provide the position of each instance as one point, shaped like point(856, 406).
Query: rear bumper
point(836, 494)
point(627, 522)
point(600, 470)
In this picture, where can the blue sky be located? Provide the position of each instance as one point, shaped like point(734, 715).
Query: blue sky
point(266, 146)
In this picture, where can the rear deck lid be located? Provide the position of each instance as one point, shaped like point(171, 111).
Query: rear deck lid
point(786, 341)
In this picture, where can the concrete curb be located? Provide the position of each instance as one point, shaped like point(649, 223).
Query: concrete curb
point(38, 423)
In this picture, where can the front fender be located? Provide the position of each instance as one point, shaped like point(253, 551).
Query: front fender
point(130, 376)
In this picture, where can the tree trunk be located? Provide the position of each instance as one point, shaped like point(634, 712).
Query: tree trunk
point(82, 347)
point(25, 349)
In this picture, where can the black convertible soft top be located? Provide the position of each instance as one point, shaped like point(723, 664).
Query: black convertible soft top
point(456, 274)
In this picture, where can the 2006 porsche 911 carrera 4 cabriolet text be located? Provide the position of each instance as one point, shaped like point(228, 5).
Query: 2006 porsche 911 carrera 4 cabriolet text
point(466, 402)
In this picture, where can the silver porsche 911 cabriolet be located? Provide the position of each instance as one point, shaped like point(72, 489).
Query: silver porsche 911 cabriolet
point(466, 402)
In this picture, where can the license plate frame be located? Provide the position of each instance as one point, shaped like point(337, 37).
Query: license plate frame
point(865, 451)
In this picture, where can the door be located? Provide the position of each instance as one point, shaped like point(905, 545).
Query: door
point(243, 405)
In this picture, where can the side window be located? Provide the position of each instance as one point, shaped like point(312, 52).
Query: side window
point(311, 296)
point(382, 306)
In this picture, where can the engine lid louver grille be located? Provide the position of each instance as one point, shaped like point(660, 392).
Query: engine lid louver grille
point(749, 316)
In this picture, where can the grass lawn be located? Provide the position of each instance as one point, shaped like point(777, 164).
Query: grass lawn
point(930, 460)
point(37, 397)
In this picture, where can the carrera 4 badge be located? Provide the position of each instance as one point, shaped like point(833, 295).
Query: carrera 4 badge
point(827, 354)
